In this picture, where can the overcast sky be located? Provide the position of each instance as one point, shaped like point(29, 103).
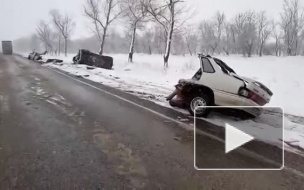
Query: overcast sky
point(18, 18)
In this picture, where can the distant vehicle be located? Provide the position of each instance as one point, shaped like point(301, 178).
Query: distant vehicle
point(216, 84)
point(7, 47)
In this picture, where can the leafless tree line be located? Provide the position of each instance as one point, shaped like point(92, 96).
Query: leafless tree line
point(170, 15)
point(162, 27)
point(246, 33)
point(249, 32)
point(55, 32)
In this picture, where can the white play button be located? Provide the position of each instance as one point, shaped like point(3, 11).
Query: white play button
point(235, 138)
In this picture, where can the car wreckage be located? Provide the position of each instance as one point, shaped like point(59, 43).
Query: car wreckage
point(38, 57)
point(216, 84)
point(85, 57)
point(35, 56)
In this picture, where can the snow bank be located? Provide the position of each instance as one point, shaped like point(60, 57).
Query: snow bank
point(147, 78)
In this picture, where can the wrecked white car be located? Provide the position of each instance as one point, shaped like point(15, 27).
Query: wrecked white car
point(216, 84)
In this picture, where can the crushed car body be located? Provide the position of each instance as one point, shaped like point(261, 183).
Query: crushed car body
point(34, 56)
point(86, 57)
point(216, 84)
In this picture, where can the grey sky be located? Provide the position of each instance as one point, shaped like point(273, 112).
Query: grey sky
point(18, 18)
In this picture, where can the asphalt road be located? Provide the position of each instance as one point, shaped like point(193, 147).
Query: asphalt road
point(59, 133)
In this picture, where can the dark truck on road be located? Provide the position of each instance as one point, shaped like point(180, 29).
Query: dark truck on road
point(7, 47)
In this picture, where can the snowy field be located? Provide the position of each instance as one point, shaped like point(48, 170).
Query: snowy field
point(147, 79)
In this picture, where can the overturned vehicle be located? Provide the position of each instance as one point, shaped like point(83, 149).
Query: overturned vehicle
point(216, 84)
point(86, 57)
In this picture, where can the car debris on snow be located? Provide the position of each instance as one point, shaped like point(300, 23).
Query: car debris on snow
point(36, 56)
point(85, 57)
point(90, 68)
point(54, 61)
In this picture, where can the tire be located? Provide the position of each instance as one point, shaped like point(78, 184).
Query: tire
point(172, 104)
point(204, 101)
point(245, 115)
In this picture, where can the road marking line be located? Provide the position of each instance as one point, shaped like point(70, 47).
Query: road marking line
point(183, 125)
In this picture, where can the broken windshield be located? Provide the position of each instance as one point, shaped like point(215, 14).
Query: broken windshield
point(226, 69)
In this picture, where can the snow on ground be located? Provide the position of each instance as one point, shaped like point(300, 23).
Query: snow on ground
point(282, 75)
point(147, 79)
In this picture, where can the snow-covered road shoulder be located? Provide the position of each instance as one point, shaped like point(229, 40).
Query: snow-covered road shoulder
point(147, 79)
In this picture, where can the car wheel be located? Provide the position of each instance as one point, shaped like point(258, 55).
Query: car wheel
point(245, 116)
point(172, 103)
point(201, 101)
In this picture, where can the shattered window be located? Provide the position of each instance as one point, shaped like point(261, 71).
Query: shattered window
point(208, 68)
point(226, 69)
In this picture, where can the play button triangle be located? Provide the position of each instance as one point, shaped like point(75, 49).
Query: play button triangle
point(235, 138)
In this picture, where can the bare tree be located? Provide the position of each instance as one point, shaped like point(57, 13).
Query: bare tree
point(211, 32)
point(46, 35)
point(58, 37)
point(264, 31)
point(159, 41)
point(277, 35)
point(102, 13)
point(171, 15)
point(231, 28)
point(245, 27)
point(146, 41)
point(292, 20)
point(302, 44)
point(250, 32)
point(219, 24)
point(178, 44)
point(239, 22)
point(135, 12)
point(65, 25)
point(207, 30)
point(59, 41)
point(237, 28)
point(149, 40)
point(191, 38)
point(57, 32)
point(229, 38)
